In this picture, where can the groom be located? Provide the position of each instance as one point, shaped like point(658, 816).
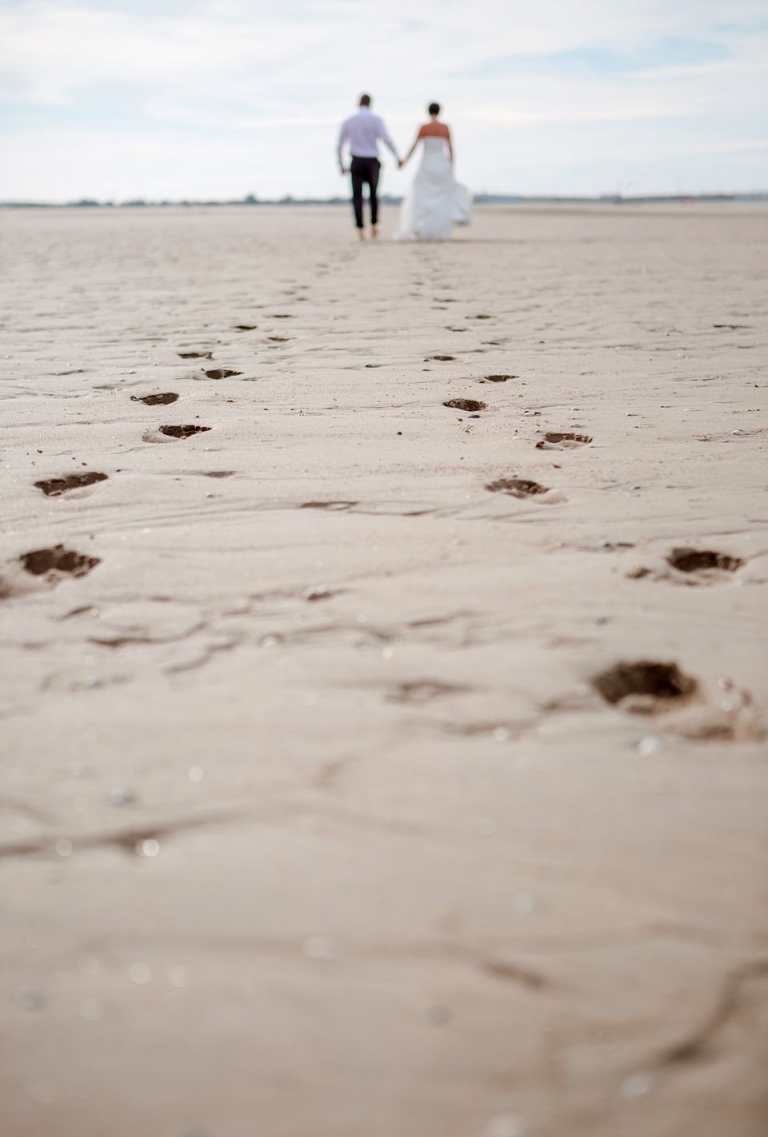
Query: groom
point(362, 131)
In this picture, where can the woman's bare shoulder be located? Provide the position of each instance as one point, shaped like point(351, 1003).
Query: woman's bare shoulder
point(434, 130)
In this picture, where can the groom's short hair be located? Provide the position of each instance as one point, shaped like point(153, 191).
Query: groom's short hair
point(365, 100)
point(434, 108)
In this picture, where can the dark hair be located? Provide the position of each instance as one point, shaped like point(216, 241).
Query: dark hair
point(365, 100)
point(434, 108)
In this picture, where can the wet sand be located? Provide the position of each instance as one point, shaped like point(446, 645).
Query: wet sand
point(334, 800)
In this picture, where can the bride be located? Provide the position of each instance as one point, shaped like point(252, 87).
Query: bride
point(435, 200)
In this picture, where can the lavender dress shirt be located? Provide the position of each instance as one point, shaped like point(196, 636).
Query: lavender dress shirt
point(362, 131)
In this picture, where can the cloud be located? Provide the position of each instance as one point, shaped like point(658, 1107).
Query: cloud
point(168, 89)
point(604, 62)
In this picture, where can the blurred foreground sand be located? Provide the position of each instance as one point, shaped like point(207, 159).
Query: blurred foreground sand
point(313, 823)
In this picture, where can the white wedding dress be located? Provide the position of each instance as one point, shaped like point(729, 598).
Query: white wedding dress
point(435, 201)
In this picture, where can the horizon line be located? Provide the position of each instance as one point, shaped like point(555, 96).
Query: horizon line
point(484, 198)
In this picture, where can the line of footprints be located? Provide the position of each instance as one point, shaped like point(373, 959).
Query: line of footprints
point(641, 686)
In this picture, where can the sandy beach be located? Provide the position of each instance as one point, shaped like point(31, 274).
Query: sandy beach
point(374, 766)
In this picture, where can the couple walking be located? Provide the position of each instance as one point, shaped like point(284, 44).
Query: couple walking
point(435, 200)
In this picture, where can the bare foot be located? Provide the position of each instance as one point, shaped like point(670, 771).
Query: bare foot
point(374, 232)
point(361, 235)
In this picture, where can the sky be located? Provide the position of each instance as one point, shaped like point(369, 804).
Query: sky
point(157, 99)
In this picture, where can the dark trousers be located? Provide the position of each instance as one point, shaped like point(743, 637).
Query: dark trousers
point(365, 170)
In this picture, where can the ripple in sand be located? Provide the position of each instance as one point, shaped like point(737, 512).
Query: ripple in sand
point(424, 691)
point(337, 506)
point(8, 590)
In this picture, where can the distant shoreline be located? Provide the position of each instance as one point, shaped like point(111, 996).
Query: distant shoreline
point(479, 199)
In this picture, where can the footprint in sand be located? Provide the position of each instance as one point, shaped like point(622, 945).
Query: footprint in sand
point(645, 686)
point(54, 487)
point(184, 431)
point(696, 566)
point(156, 400)
point(195, 354)
point(563, 440)
point(246, 327)
point(465, 405)
point(441, 358)
point(278, 339)
point(702, 561)
point(218, 473)
point(221, 373)
point(517, 487)
point(57, 559)
point(497, 378)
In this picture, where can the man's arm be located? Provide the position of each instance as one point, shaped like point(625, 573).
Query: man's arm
point(416, 142)
point(384, 136)
point(343, 137)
